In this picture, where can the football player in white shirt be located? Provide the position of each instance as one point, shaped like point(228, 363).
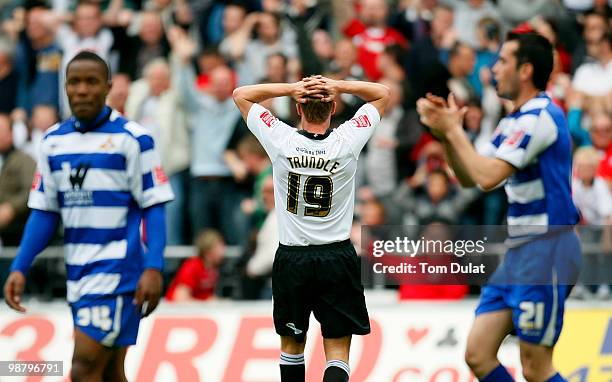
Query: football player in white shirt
point(316, 268)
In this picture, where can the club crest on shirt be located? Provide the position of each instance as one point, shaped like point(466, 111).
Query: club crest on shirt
point(361, 121)
point(267, 118)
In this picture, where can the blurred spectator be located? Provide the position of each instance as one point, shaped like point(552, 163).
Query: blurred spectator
point(154, 103)
point(461, 60)
point(9, 80)
point(43, 117)
point(482, 116)
point(413, 18)
point(589, 191)
point(594, 29)
point(86, 33)
point(214, 195)
point(38, 62)
point(16, 174)
point(208, 60)
point(135, 52)
point(277, 71)
point(430, 196)
point(344, 64)
point(488, 34)
point(548, 28)
point(198, 276)
point(423, 59)
point(370, 33)
point(593, 199)
point(380, 161)
point(602, 7)
point(601, 136)
point(468, 14)
point(594, 78)
point(514, 12)
point(260, 264)
point(389, 63)
point(308, 18)
point(119, 92)
point(258, 164)
point(250, 54)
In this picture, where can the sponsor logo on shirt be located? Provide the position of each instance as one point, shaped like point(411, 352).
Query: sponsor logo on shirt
point(361, 121)
point(160, 175)
point(267, 118)
point(77, 196)
point(37, 180)
point(516, 138)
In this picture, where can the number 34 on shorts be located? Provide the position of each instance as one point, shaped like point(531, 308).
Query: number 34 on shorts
point(109, 320)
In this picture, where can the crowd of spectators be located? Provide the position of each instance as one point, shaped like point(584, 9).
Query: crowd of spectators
point(175, 64)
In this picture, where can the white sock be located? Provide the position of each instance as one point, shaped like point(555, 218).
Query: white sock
point(339, 364)
point(291, 359)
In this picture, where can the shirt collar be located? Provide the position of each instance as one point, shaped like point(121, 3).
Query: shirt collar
point(85, 126)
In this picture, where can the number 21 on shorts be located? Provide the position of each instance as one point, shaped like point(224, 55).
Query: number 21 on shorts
point(532, 315)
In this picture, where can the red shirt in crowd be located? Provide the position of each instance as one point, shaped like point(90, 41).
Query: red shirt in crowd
point(605, 166)
point(194, 275)
point(370, 43)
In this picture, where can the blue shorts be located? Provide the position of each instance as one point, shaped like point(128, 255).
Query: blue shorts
point(110, 320)
point(534, 281)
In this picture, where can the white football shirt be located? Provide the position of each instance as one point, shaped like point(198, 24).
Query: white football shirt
point(314, 175)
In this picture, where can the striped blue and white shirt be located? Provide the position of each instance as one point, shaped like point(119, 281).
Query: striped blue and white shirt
point(535, 140)
point(100, 180)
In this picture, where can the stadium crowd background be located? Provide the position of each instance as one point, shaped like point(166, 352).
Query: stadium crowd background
point(176, 63)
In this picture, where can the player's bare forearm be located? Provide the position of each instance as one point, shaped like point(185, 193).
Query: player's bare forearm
point(246, 96)
point(367, 91)
point(457, 166)
point(485, 172)
point(371, 92)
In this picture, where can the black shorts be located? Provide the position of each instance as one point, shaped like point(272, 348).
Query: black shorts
point(323, 279)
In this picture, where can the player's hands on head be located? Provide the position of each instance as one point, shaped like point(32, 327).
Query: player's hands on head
point(439, 115)
point(306, 90)
point(321, 87)
point(148, 291)
point(13, 289)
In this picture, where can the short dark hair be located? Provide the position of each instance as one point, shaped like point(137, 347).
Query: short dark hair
point(88, 55)
point(316, 111)
point(536, 50)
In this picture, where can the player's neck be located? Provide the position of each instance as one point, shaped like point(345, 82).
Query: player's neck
point(315, 128)
point(524, 96)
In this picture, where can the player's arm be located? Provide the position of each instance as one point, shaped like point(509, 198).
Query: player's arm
point(371, 92)
point(246, 96)
point(39, 230)
point(148, 291)
point(470, 167)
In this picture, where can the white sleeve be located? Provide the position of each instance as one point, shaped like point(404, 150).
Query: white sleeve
point(271, 132)
point(43, 195)
point(148, 183)
point(534, 135)
point(357, 130)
